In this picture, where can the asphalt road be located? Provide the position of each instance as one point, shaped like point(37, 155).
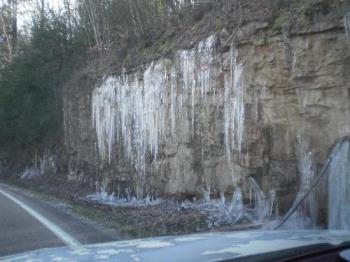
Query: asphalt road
point(28, 223)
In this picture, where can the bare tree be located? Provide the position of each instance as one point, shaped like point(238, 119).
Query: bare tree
point(8, 25)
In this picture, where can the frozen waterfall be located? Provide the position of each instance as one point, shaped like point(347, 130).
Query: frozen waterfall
point(336, 170)
point(139, 113)
point(132, 112)
point(135, 114)
point(339, 187)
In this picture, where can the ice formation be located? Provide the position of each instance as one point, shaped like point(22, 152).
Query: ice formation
point(309, 207)
point(139, 113)
point(30, 172)
point(336, 171)
point(236, 207)
point(262, 206)
point(234, 105)
point(347, 25)
point(183, 3)
point(219, 211)
point(306, 214)
point(338, 186)
point(135, 112)
point(47, 163)
point(236, 210)
point(114, 199)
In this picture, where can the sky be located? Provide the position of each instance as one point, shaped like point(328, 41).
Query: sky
point(26, 10)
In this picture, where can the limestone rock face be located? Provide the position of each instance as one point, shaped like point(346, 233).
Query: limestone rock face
point(255, 102)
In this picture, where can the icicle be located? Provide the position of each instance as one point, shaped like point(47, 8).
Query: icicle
point(347, 25)
point(307, 213)
point(234, 106)
point(173, 85)
point(222, 198)
point(236, 208)
point(273, 203)
point(103, 194)
point(134, 112)
point(206, 193)
point(259, 211)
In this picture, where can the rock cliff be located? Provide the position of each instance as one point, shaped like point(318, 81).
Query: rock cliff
point(253, 97)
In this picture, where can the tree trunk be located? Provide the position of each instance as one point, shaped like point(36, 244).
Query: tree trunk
point(7, 37)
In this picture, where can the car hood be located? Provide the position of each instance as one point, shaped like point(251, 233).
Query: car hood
point(196, 247)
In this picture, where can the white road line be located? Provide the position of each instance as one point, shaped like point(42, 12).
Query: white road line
point(61, 234)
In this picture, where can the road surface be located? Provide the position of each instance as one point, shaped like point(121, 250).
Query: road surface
point(28, 223)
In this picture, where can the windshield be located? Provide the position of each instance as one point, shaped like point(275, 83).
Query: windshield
point(129, 119)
